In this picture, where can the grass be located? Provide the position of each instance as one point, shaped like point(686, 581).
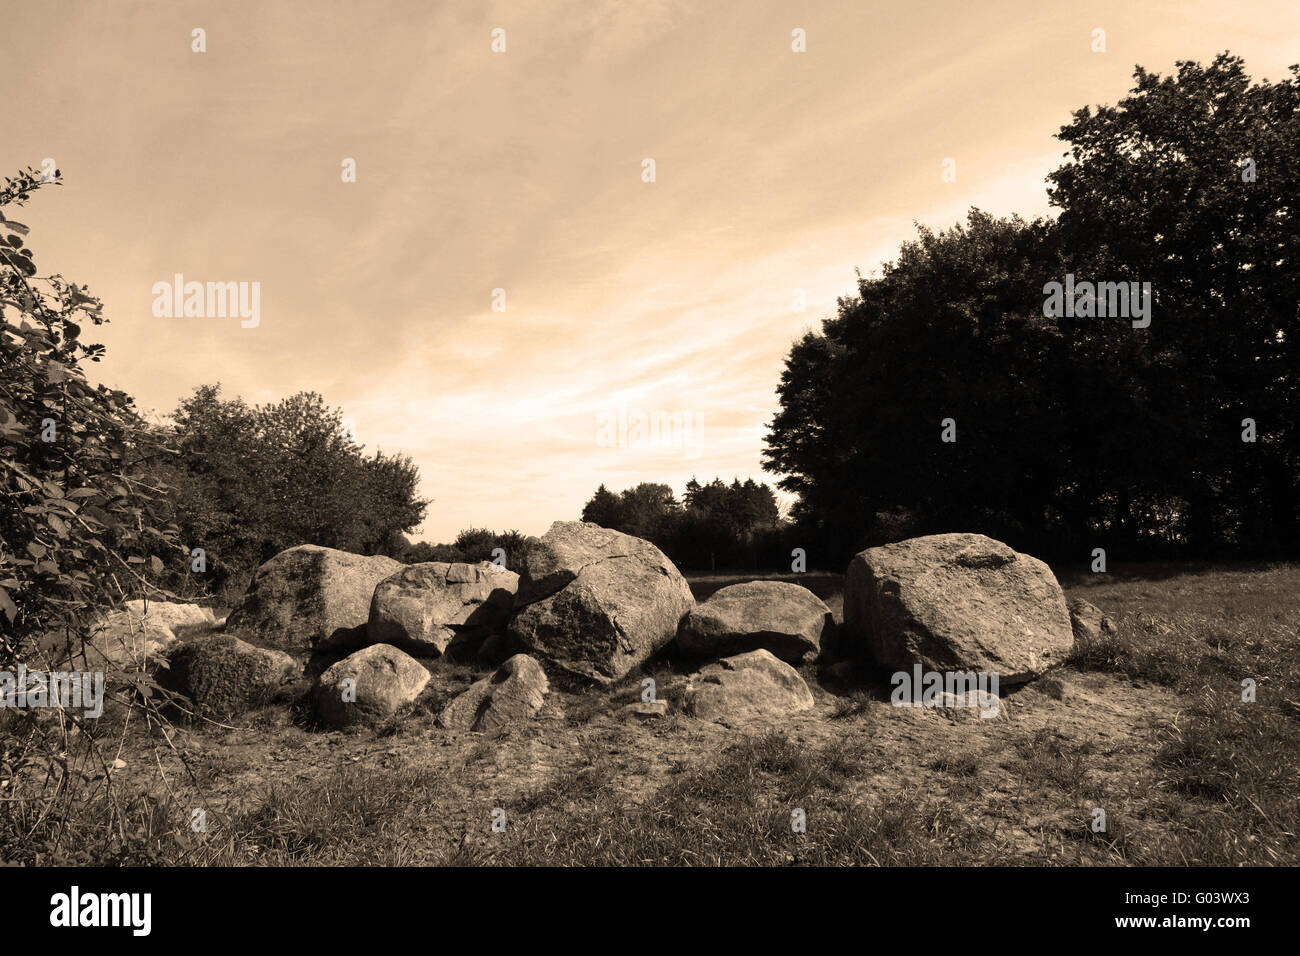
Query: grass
point(1228, 764)
point(745, 807)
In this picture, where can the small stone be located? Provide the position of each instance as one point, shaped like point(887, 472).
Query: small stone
point(646, 709)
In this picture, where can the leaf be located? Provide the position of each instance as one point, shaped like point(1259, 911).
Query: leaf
point(8, 606)
point(155, 564)
point(17, 227)
point(36, 549)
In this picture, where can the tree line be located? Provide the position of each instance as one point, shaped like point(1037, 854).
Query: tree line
point(713, 526)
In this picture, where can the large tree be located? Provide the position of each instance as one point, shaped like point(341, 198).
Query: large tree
point(1078, 431)
point(1190, 183)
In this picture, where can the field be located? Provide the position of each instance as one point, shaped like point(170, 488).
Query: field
point(1148, 726)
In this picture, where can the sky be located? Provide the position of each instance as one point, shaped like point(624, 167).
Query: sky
point(777, 173)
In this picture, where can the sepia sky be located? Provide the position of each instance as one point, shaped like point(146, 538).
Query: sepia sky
point(775, 171)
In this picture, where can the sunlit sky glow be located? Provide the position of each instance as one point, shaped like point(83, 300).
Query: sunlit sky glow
point(776, 171)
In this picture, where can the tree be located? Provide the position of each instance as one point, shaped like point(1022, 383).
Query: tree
point(251, 482)
point(1190, 183)
point(949, 331)
point(82, 526)
point(648, 510)
point(604, 509)
point(478, 544)
point(713, 524)
point(1073, 432)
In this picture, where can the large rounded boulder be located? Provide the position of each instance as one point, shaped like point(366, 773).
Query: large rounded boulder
point(747, 687)
point(424, 607)
point(224, 676)
point(308, 596)
point(956, 602)
point(127, 638)
point(777, 616)
point(369, 686)
point(596, 602)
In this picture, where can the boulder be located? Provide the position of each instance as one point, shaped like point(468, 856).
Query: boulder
point(131, 636)
point(309, 595)
point(736, 690)
point(1088, 622)
point(783, 618)
point(956, 602)
point(596, 602)
point(513, 695)
point(174, 615)
point(424, 607)
point(369, 686)
point(124, 640)
point(225, 676)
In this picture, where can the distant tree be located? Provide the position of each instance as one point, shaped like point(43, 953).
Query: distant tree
point(605, 509)
point(472, 545)
point(648, 510)
point(713, 525)
point(418, 552)
point(478, 544)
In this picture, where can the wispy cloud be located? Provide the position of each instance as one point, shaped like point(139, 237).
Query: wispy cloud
point(477, 171)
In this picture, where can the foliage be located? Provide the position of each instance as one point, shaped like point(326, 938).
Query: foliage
point(81, 523)
point(252, 481)
point(1072, 432)
point(471, 545)
point(714, 525)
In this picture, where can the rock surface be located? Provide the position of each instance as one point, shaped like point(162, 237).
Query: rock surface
point(1088, 621)
point(369, 686)
point(777, 616)
point(123, 640)
point(175, 615)
point(225, 676)
point(307, 596)
point(513, 695)
point(424, 607)
point(747, 687)
point(597, 602)
point(956, 602)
